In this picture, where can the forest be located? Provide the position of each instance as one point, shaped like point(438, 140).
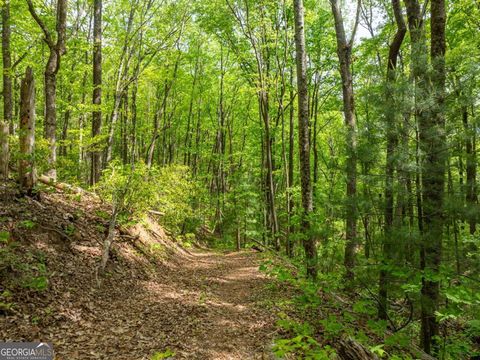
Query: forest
point(334, 140)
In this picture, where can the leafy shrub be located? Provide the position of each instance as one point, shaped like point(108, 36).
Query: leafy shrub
point(129, 189)
point(175, 195)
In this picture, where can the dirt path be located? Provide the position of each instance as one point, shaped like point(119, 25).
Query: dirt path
point(210, 306)
point(155, 297)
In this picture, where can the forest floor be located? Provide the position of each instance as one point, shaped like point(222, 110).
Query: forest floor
point(198, 304)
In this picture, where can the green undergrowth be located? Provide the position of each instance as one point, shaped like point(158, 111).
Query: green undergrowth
point(321, 312)
point(19, 269)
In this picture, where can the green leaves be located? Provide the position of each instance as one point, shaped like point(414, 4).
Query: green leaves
point(163, 355)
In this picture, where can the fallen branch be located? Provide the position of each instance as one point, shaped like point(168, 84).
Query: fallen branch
point(349, 349)
point(63, 186)
point(264, 246)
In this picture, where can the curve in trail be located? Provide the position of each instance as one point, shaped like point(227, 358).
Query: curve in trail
point(212, 306)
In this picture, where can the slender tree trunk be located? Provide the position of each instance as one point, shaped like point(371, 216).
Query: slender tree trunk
point(57, 49)
point(66, 123)
point(5, 123)
point(471, 170)
point(344, 52)
point(124, 127)
point(188, 133)
point(133, 130)
point(119, 87)
point(433, 144)
point(109, 239)
point(391, 115)
point(291, 165)
point(96, 166)
point(270, 185)
point(26, 166)
point(309, 241)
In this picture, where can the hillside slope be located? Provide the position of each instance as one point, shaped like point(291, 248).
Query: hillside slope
point(156, 296)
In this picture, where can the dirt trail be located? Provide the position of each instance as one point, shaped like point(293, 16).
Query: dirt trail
point(210, 306)
point(156, 296)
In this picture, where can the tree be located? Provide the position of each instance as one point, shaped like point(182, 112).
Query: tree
point(26, 166)
point(304, 140)
point(392, 113)
point(57, 50)
point(7, 90)
point(433, 143)
point(344, 52)
point(97, 89)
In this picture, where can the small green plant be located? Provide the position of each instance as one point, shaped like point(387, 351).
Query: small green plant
point(70, 229)
point(5, 301)
point(27, 224)
point(35, 277)
point(102, 214)
point(163, 355)
point(332, 327)
point(4, 236)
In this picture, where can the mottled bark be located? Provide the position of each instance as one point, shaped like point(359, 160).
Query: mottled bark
point(96, 169)
point(57, 49)
point(291, 165)
point(433, 145)
point(471, 170)
point(344, 52)
point(26, 166)
point(5, 123)
point(309, 241)
point(392, 113)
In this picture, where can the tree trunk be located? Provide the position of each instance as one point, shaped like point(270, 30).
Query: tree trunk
point(7, 91)
point(57, 49)
point(344, 52)
point(119, 88)
point(66, 123)
point(97, 91)
point(291, 145)
point(26, 168)
point(309, 242)
point(109, 239)
point(50, 124)
point(188, 133)
point(471, 169)
point(433, 145)
point(392, 112)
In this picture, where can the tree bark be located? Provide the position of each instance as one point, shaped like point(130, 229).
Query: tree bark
point(471, 170)
point(291, 165)
point(309, 241)
point(433, 144)
point(119, 88)
point(7, 91)
point(344, 52)
point(57, 49)
point(96, 165)
point(26, 168)
point(391, 115)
